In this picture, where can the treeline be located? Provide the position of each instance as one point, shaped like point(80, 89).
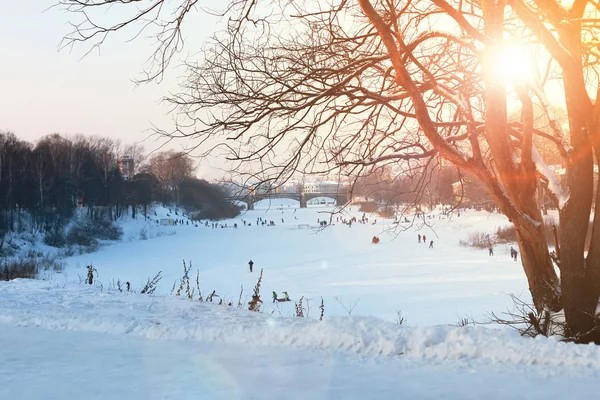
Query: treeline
point(49, 179)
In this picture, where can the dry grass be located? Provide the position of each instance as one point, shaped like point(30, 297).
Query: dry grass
point(151, 284)
point(254, 304)
point(18, 268)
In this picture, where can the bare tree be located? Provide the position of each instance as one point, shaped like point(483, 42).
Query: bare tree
point(171, 169)
point(137, 152)
point(305, 86)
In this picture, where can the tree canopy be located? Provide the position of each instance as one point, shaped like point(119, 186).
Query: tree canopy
point(344, 85)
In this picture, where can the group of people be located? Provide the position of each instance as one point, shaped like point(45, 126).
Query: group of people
point(424, 238)
point(514, 254)
point(285, 297)
point(260, 221)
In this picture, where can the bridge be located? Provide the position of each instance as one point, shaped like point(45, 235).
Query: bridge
point(302, 198)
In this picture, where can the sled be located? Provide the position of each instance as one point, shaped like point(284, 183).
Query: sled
point(282, 300)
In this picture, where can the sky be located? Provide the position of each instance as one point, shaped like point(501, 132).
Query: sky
point(45, 91)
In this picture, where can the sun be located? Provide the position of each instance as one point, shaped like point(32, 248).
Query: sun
point(512, 63)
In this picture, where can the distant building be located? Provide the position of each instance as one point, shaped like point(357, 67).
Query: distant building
point(311, 187)
point(330, 187)
point(288, 188)
point(126, 166)
point(324, 187)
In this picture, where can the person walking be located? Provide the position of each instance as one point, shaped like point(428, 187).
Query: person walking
point(491, 251)
point(424, 239)
point(250, 264)
point(431, 244)
point(419, 238)
point(513, 253)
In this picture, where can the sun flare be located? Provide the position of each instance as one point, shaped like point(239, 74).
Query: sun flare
point(512, 63)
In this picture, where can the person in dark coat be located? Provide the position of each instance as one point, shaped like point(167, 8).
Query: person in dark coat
point(419, 238)
point(513, 253)
point(250, 264)
point(431, 244)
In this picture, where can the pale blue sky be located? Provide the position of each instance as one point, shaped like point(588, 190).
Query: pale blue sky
point(44, 91)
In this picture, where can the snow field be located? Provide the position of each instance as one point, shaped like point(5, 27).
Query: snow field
point(340, 264)
point(67, 307)
point(63, 340)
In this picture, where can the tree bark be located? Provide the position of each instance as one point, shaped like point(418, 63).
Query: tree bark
point(537, 263)
point(579, 297)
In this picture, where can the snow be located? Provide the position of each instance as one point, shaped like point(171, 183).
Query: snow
point(339, 263)
point(124, 345)
point(112, 344)
point(553, 183)
point(100, 367)
point(59, 306)
point(268, 204)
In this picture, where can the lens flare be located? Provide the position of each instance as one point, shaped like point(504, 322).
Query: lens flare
point(511, 63)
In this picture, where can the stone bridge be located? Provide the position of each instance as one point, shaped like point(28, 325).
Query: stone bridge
point(302, 198)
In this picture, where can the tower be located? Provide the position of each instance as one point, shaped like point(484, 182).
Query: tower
point(126, 166)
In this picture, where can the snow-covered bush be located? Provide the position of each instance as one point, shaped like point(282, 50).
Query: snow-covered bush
point(91, 248)
point(80, 236)
point(55, 237)
point(47, 261)
point(480, 240)
point(86, 230)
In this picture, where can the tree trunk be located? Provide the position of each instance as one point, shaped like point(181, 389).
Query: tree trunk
point(541, 276)
point(579, 297)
